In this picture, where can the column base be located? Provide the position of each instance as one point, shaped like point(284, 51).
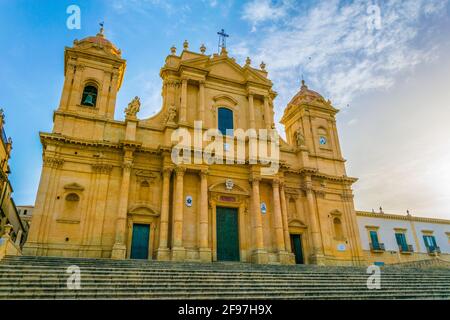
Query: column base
point(163, 254)
point(178, 254)
point(119, 251)
point(205, 254)
point(260, 257)
point(286, 257)
point(317, 259)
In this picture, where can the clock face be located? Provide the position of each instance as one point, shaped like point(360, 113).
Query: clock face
point(323, 141)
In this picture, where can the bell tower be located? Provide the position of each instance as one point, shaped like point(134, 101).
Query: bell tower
point(93, 70)
point(310, 124)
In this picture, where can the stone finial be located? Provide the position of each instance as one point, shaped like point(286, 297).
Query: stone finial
point(202, 48)
point(2, 117)
point(185, 45)
point(248, 61)
point(173, 50)
point(224, 51)
point(263, 66)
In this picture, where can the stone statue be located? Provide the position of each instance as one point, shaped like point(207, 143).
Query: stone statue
point(299, 138)
point(171, 114)
point(133, 107)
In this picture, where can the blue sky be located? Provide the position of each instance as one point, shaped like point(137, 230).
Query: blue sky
point(389, 78)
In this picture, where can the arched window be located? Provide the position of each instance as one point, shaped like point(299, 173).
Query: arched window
point(72, 197)
point(338, 228)
point(225, 121)
point(89, 97)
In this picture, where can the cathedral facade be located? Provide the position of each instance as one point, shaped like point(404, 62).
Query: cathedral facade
point(111, 189)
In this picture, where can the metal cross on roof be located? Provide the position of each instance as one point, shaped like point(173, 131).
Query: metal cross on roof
point(222, 39)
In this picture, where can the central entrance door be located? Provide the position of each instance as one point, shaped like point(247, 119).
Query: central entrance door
point(139, 242)
point(227, 234)
point(296, 242)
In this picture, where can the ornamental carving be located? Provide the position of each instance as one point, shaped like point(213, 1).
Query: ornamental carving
point(51, 162)
point(102, 168)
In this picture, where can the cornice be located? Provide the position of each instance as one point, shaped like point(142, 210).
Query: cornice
point(400, 217)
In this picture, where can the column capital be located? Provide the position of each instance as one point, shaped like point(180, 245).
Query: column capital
point(255, 180)
point(203, 173)
point(180, 171)
point(166, 171)
point(276, 183)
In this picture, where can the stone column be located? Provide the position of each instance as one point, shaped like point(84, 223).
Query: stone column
point(317, 255)
point(277, 218)
point(178, 251)
point(251, 112)
point(287, 238)
point(201, 101)
point(183, 107)
point(119, 249)
point(259, 254)
point(267, 114)
point(163, 250)
point(205, 250)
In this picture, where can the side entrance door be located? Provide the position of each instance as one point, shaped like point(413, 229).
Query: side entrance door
point(139, 242)
point(227, 234)
point(296, 242)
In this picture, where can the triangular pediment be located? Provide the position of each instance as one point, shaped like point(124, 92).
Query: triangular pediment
point(227, 69)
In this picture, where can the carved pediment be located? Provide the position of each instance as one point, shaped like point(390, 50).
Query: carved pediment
point(73, 186)
point(221, 187)
point(295, 223)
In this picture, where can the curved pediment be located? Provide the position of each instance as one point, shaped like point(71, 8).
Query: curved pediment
point(225, 100)
point(143, 209)
point(221, 187)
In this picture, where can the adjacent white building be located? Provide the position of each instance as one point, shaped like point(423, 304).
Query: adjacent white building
point(391, 238)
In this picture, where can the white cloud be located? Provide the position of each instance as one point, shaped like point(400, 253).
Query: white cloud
point(259, 11)
point(332, 45)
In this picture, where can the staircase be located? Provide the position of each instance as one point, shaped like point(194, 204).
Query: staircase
point(23, 277)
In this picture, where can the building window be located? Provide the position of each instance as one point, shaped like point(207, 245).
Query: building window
point(338, 233)
point(402, 243)
point(375, 244)
point(225, 121)
point(430, 243)
point(89, 97)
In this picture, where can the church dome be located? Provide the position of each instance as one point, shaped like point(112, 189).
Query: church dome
point(100, 42)
point(306, 95)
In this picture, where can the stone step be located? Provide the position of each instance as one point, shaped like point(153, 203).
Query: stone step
point(45, 278)
point(5, 268)
point(228, 296)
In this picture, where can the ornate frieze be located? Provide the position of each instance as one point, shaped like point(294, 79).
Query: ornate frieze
point(101, 168)
point(52, 162)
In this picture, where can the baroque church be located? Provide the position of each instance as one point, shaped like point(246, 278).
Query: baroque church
point(109, 188)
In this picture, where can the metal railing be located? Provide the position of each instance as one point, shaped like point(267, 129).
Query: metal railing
point(408, 248)
point(434, 250)
point(377, 247)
